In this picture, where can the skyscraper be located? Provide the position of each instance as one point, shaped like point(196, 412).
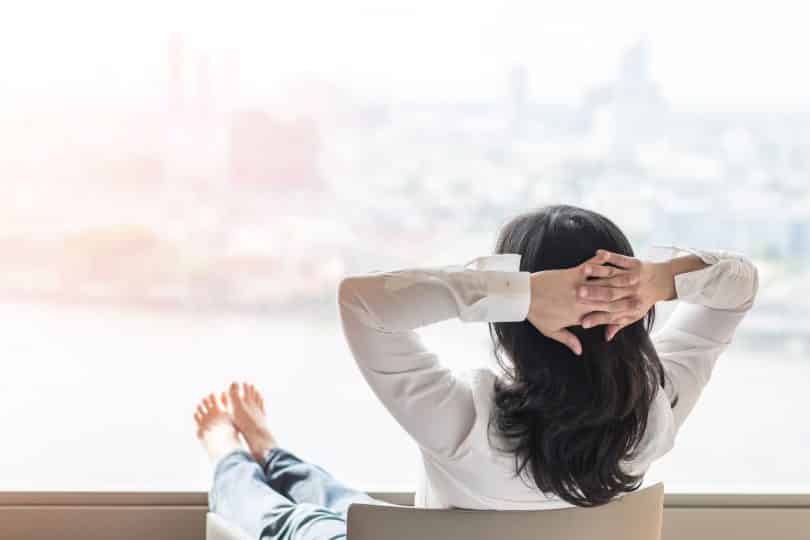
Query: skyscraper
point(518, 99)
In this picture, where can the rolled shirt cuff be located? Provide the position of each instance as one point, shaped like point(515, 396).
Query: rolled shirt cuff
point(507, 289)
point(509, 296)
point(728, 283)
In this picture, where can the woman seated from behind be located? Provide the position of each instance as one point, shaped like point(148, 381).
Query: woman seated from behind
point(585, 401)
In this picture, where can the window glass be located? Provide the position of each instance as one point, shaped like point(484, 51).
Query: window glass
point(183, 186)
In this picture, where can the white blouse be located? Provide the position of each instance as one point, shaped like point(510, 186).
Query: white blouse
point(447, 413)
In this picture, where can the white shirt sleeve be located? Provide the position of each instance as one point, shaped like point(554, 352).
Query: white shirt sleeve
point(380, 312)
point(711, 303)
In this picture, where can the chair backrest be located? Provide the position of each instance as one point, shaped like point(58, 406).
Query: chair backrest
point(635, 516)
point(217, 528)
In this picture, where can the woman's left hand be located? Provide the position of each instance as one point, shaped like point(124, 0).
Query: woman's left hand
point(632, 288)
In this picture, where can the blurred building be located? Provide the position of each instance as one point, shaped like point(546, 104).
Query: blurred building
point(631, 109)
point(196, 147)
point(272, 153)
point(519, 100)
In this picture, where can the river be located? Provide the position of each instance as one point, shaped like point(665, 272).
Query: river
point(100, 399)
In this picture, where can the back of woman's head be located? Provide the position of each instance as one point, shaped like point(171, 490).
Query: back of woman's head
point(571, 420)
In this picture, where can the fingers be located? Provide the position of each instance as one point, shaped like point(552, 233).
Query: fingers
point(595, 318)
point(618, 278)
point(589, 293)
point(624, 271)
point(593, 267)
point(591, 270)
point(599, 258)
point(631, 304)
point(622, 261)
point(611, 330)
point(567, 338)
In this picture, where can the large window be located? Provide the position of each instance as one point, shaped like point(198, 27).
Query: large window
point(181, 189)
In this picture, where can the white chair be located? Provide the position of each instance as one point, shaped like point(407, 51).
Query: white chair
point(217, 528)
point(635, 516)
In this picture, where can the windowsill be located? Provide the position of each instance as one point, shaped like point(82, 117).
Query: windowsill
point(751, 499)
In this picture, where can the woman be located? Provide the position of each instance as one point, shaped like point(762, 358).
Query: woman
point(586, 400)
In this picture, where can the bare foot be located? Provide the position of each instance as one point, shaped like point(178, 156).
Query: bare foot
point(215, 429)
point(247, 412)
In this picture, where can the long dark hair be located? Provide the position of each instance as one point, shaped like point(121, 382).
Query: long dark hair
point(571, 420)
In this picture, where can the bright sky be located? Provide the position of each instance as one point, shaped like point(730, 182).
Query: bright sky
point(719, 53)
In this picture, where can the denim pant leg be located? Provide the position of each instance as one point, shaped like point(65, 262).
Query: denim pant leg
point(241, 495)
point(303, 482)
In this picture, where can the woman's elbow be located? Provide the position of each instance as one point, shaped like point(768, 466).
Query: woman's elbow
point(356, 293)
point(753, 279)
point(347, 292)
point(357, 302)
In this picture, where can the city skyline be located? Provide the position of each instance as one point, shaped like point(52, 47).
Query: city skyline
point(183, 186)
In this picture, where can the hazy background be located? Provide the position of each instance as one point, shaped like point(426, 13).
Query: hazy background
point(182, 186)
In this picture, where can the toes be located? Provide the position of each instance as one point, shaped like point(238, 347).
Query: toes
point(210, 403)
point(252, 395)
point(257, 397)
point(233, 392)
point(241, 392)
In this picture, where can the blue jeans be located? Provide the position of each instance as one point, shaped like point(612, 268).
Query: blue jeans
point(282, 499)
